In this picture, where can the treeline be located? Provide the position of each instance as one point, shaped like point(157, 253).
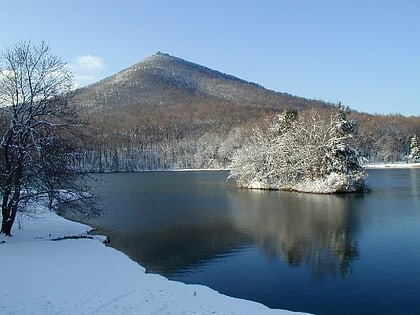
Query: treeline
point(386, 138)
point(182, 139)
point(130, 151)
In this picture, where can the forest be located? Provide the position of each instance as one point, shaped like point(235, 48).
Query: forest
point(210, 142)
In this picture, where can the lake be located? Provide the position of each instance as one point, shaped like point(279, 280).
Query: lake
point(324, 254)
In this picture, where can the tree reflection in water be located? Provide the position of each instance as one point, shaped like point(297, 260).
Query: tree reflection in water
point(316, 230)
point(176, 222)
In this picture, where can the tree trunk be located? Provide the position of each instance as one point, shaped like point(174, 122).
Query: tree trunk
point(6, 225)
point(9, 214)
point(9, 210)
point(5, 212)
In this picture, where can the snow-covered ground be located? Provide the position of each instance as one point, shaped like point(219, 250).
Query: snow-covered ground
point(83, 276)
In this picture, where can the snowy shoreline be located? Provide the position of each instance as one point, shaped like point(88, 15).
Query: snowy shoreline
point(391, 165)
point(83, 276)
point(366, 166)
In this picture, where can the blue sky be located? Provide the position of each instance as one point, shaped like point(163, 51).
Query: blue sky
point(365, 54)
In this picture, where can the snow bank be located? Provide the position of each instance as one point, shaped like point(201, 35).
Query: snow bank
point(330, 184)
point(83, 276)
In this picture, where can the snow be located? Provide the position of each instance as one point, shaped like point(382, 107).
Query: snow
point(83, 276)
point(391, 165)
point(329, 184)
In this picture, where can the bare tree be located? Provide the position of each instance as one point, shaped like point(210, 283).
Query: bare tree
point(38, 129)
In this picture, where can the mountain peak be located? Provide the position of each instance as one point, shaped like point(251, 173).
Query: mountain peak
point(161, 54)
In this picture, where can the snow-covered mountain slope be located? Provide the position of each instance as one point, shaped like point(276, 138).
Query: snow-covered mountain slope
point(165, 80)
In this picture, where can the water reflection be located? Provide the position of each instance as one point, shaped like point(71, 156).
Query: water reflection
point(173, 223)
point(178, 249)
point(317, 230)
point(270, 246)
point(168, 222)
point(415, 182)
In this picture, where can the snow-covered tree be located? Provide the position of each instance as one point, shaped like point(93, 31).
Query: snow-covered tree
point(311, 154)
point(415, 149)
point(39, 130)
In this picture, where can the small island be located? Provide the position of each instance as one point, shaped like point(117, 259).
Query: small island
point(313, 153)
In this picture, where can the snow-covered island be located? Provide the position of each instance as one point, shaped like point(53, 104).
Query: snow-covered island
point(52, 266)
point(313, 154)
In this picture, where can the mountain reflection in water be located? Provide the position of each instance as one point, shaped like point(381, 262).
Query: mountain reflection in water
point(322, 254)
point(174, 222)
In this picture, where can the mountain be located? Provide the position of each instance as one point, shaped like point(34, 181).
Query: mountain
point(166, 112)
point(164, 80)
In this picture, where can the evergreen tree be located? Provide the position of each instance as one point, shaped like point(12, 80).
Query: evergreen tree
point(415, 149)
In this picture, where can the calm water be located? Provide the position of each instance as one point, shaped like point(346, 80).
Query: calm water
point(344, 254)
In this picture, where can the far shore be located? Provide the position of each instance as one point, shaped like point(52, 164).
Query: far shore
point(394, 165)
point(391, 165)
